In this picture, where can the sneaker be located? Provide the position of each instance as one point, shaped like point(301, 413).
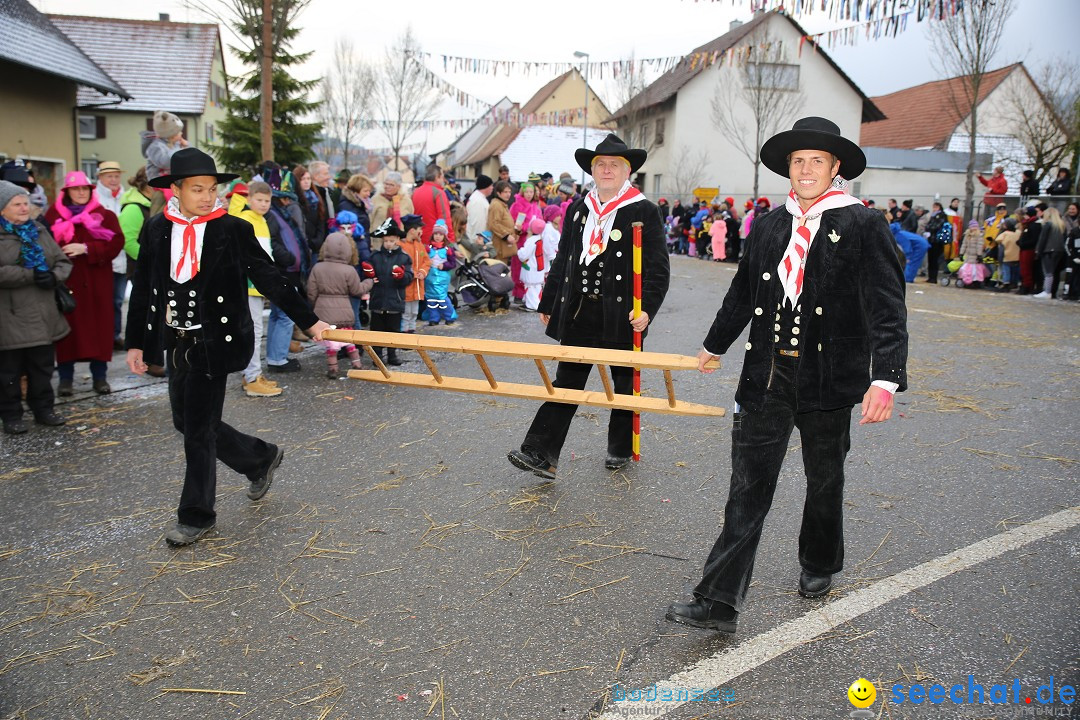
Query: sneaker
point(267, 381)
point(65, 388)
point(259, 388)
point(1041, 296)
point(261, 483)
point(290, 365)
point(180, 534)
point(101, 386)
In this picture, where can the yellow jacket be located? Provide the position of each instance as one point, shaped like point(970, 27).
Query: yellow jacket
point(238, 206)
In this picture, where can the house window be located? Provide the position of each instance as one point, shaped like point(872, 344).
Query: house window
point(209, 132)
point(659, 139)
point(217, 95)
point(656, 185)
point(91, 127)
point(643, 138)
point(773, 76)
point(89, 167)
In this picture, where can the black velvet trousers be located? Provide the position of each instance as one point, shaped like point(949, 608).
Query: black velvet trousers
point(196, 399)
point(552, 422)
point(759, 441)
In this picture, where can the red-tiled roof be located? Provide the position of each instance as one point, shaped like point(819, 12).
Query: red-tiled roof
point(143, 55)
point(925, 116)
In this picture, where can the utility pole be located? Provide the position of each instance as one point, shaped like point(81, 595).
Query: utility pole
point(266, 101)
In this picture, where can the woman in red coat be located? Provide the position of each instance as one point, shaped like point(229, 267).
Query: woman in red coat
point(91, 237)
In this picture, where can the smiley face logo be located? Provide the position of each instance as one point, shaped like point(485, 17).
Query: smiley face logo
point(862, 693)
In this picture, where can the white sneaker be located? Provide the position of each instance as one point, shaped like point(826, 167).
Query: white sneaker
point(1041, 296)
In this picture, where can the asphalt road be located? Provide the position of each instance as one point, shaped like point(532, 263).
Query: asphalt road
point(400, 568)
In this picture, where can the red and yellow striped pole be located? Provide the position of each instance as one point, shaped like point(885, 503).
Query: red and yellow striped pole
point(637, 335)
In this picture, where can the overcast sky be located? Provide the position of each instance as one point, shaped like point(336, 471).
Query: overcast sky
point(1042, 31)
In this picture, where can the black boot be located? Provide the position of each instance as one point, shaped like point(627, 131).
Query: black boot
point(705, 613)
point(392, 358)
point(814, 586)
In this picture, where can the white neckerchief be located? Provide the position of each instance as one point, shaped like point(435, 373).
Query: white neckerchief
point(604, 214)
point(176, 246)
point(835, 197)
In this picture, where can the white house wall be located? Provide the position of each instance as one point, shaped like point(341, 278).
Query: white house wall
point(825, 93)
point(922, 186)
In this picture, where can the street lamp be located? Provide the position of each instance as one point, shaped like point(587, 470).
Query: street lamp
point(585, 122)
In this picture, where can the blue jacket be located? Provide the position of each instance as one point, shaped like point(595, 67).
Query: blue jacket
point(437, 282)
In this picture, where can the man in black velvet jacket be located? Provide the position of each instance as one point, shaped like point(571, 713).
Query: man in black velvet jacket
point(189, 311)
point(588, 297)
point(823, 292)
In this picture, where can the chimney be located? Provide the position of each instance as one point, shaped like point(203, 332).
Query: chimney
point(734, 24)
point(163, 17)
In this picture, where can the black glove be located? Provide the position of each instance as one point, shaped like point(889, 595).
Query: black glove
point(44, 279)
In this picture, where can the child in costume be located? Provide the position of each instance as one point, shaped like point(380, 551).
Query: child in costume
point(535, 255)
point(437, 282)
point(392, 272)
point(333, 283)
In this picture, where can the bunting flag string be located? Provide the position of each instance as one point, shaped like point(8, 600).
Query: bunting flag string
point(512, 117)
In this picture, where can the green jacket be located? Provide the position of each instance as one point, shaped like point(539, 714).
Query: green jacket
point(134, 208)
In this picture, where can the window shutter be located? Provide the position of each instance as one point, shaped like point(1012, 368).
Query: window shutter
point(100, 120)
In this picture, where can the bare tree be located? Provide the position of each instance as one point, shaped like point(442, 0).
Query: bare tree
point(402, 97)
point(966, 43)
point(634, 125)
point(689, 170)
point(347, 90)
point(1047, 121)
point(757, 99)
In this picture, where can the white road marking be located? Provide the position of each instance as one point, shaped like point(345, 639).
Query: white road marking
point(936, 312)
point(726, 665)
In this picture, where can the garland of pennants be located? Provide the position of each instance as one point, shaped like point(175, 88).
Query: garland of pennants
point(494, 116)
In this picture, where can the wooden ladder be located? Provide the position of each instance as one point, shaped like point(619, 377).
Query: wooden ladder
point(538, 353)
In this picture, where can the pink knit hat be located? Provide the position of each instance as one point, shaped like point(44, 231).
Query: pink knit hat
point(76, 178)
point(536, 226)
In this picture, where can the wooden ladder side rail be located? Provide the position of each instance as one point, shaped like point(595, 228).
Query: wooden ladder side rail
point(617, 401)
point(504, 348)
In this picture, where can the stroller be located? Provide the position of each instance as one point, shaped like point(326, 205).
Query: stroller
point(478, 279)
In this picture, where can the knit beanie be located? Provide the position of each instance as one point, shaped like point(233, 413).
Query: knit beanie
point(9, 191)
point(167, 125)
point(439, 227)
point(536, 226)
point(483, 182)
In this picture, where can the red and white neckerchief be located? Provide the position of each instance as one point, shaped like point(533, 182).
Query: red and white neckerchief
point(804, 226)
point(187, 240)
point(601, 217)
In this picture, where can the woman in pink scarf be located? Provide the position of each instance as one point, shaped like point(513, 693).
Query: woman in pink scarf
point(91, 237)
point(525, 208)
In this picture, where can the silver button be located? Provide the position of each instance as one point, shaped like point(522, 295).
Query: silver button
point(765, 276)
point(618, 299)
point(777, 316)
point(149, 326)
point(819, 347)
point(597, 282)
point(794, 341)
point(748, 346)
point(170, 293)
point(228, 338)
point(191, 303)
point(601, 264)
point(225, 319)
point(817, 310)
point(187, 323)
point(776, 327)
point(618, 277)
point(757, 311)
point(618, 254)
point(220, 299)
point(172, 303)
point(191, 293)
point(794, 331)
point(155, 291)
point(190, 314)
point(776, 338)
point(797, 319)
point(153, 309)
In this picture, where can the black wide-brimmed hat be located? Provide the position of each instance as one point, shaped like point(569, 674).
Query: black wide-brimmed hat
point(190, 162)
point(813, 133)
point(611, 146)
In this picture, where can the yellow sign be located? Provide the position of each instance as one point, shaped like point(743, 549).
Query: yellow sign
point(706, 194)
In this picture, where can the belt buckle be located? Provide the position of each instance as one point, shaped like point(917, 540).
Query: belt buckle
point(789, 353)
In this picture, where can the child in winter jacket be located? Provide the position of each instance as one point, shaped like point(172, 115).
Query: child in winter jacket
point(437, 282)
point(391, 271)
point(349, 225)
point(972, 272)
point(535, 255)
point(252, 204)
point(331, 286)
point(412, 244)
